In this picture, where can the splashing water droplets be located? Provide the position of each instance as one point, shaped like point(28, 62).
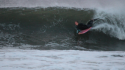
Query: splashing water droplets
point(111, 22)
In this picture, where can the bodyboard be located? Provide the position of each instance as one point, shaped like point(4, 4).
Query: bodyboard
point(84, 31)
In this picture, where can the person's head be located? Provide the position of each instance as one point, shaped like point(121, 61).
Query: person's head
point(76, 23)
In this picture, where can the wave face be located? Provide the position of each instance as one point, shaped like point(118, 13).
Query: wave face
point(49, 24)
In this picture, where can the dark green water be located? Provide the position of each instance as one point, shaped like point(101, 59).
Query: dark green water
point(53, 28)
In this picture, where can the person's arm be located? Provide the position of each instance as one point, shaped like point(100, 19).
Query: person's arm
point(92, 20)
point(95, 19)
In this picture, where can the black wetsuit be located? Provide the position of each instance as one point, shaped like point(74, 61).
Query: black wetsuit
point(82, 26)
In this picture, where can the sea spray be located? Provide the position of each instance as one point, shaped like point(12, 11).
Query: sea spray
point(111, 22)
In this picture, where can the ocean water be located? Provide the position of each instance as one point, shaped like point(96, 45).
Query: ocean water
point(48, 26)
point(17, 59)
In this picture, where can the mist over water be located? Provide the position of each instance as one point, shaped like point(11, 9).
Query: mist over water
point(50, 23)
point(64, 3)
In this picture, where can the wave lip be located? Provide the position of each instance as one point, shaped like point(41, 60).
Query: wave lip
point(63, 3)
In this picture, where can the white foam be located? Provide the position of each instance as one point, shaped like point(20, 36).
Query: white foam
point(111, 22)
point(16, 59)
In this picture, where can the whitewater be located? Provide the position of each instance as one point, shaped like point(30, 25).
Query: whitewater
point(16, 59)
